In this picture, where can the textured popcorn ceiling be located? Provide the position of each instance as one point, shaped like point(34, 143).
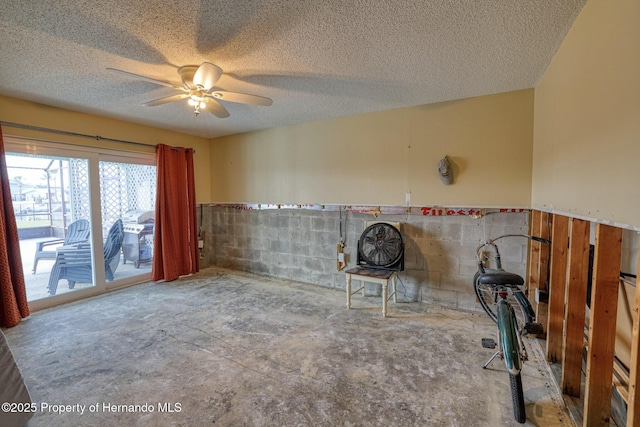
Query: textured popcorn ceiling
point(315, 59)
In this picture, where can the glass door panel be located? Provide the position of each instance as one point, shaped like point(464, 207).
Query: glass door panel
point(127, 195)
point(52, 209)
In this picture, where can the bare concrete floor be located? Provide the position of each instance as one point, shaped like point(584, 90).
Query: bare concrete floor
point(226, 348)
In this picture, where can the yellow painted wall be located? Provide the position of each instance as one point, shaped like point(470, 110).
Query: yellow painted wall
point(376, 158)
point(587, 118)
point(28, 113)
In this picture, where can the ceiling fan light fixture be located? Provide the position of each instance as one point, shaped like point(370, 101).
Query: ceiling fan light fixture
point(198, 89)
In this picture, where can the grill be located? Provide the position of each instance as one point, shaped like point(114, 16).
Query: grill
point(137, 245)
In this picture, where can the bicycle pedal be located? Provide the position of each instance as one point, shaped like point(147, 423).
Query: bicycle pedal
point(488, 343)
point(533, 328)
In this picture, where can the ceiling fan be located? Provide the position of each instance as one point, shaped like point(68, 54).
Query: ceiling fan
point(198, 88)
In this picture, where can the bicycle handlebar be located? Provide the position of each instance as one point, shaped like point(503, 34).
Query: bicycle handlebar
point(491, 242)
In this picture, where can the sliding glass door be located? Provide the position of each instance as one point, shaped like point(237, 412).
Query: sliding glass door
point(85, 218)
point(127, 195)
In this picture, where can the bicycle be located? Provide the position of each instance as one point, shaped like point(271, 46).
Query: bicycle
point(499, 291)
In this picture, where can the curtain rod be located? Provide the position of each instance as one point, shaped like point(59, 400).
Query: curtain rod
point(67, 133)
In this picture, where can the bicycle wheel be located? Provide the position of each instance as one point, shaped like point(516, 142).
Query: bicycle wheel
point(517, 397)
point(487, 296)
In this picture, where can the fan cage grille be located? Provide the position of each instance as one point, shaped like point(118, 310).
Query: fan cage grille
point(381, 246)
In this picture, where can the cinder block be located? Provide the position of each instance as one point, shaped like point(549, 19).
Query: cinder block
point(332, 224)
point(415, 278)
point(512, 218)
point(430, 247)
point(440, 297)
point(234, 253)
point(516, 268)
point(239, 264)
point(325, 251)
point(301, 235)
point(322, 279)
point(241, 218)
point(512, 253)
point(468, 266)
point(371, 289)
point(457, 283)
point(451, 231)
point(410, 231)
point(445, 265)
point(252, 254)
point(473, 233)
point(318, 224)
point(279, 246)
point(216, 230)
point(313, 264)
point(259, 268)
point(279, 221)
point(522, 229)
point(298, 275)
point(328, 265)
point(304, 222)
point(407, 291)
point(413, 260)
point(300, 248)
point(433, 227)
point(269, 258)
point(259, 242)
point(278, 271)
point(469, 303)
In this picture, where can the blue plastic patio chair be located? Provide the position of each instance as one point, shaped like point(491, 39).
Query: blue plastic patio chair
point(74, 262)
point(77, 232)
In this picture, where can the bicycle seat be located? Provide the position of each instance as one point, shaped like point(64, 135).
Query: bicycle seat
point(501, 278)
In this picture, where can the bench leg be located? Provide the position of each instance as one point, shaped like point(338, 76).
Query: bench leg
point(395, 288)
point(385, 296)
point(348, 291)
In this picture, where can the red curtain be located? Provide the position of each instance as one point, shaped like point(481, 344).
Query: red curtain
point(175, 250)
point(13, 294)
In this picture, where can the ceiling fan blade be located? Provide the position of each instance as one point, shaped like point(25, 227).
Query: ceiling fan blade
point(207, 75)
point(146, 79)
point(242, 98)
point(166, 100)
point(215, 108)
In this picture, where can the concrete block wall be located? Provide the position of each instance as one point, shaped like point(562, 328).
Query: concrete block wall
point(301, 245)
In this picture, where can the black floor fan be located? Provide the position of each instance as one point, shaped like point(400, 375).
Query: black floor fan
point(381, 246)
